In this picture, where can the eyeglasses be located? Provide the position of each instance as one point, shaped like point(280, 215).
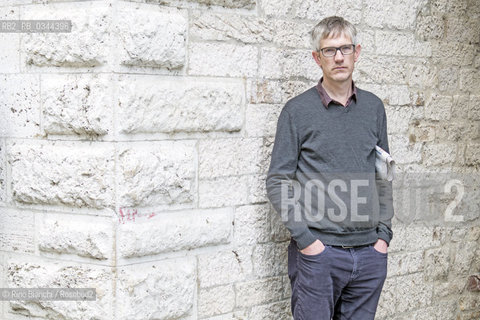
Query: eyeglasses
point(345, 50)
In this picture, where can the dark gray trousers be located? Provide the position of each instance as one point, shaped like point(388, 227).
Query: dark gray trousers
point(338, 283)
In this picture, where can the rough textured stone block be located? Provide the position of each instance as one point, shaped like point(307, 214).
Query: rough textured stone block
point(15, 2)
point(403, 151)
point(381, 70)
point(259, 291)
point(455, 131)
point(277, 7)
point(71, 174)
point(411, 292)
point(270, 259)
point(366, 38)
point(224, 267)
point(75, 104)
point(205, 25)
point(472, 154)
point(148, 105)
point(275, 91)
point(463, 105)
point(454, 287)
point(461, 28)
point(246, 4)
point(422, 132)
point(430, 27)
point(397, 14)
point(3, 172)
point(423, 237)
point(437, 263)
point(469, 315)
point(439, 154)
point(465, 258)
point(469, 302)
point(157, 290)
point(151, 38)
point(216, 300)
point(473, 107)
point(173, 232)
point(287, 288)
point(261, 120)
point(226, 157)
point(438, 107)
point(295, 34)
point(405, 263)
point(422, 74)
point(83, 47)
point(400, 118)
point(470, 80)
point(274, 311)
point(257, 191)
point(210, 59)
point(9, 42)
point(448, 79)
point(286, 64)
point(401, 44)
point(249, 29)
point(17, 231)
point(252, 224)
point(20, 105)
point(457, 54)
point(445, 310)
point(156, 173)
point(317, 10)
point(241, 314)
point(223, 191)
point(394, 95)
point(42, 274)
point(83, 236)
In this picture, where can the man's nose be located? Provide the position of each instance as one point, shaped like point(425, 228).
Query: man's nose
point(338, 55)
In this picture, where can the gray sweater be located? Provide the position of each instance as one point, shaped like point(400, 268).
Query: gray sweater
point(322, 180)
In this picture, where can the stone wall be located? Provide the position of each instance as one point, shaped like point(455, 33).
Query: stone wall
point(134, 150)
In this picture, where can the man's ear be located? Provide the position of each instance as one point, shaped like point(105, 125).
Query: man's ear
point(316, 58)
point(358, 48)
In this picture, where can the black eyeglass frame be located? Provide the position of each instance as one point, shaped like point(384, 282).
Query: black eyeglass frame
point(337, 49)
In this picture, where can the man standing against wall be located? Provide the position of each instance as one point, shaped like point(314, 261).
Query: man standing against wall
point(322, 182)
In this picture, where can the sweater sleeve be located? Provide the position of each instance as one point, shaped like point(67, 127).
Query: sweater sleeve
point(384, 229)
point(281, 176)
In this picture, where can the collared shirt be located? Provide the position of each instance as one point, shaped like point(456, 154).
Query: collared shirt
point(326, 99)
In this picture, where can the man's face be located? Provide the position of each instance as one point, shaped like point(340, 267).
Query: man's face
point(338, 68)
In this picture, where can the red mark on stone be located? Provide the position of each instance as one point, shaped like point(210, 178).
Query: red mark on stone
point(121, 216)
point(131, 214)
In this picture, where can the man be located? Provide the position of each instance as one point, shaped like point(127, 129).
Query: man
point(322, 182)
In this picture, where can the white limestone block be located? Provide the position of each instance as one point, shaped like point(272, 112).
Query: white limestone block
point(156, 173)
point(77, 104)
point(70, 174)
point(150, 105)
point(166, 232)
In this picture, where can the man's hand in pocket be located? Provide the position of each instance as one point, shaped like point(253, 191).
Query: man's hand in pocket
point(381, 246)
point(316, 247)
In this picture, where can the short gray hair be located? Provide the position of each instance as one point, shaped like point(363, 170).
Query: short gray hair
point(332, 27)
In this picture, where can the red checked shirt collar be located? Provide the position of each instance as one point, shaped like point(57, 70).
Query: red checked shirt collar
point(326, 100)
